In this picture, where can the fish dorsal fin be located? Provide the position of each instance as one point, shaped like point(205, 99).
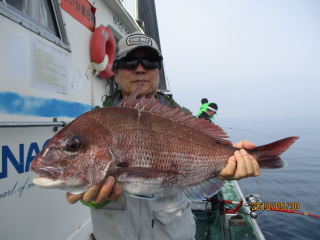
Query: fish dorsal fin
point(154, 106)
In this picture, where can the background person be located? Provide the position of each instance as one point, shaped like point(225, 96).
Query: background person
point(119, 216)
point(209, 113)
point(204, 105)
point(203, 108)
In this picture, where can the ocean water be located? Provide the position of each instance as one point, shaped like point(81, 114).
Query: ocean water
point(298, 183)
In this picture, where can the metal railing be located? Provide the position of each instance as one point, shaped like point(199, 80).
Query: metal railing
point(31, 124)
point(54, 124)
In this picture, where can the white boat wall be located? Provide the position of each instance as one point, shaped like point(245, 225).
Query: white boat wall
point(44, 57)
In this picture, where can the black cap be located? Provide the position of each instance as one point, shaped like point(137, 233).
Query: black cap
point(212, 107)
point(204, 100)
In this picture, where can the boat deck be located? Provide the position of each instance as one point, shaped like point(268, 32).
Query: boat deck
point(250, 230)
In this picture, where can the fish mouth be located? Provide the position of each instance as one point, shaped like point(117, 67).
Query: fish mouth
point(52, 174)
point(45, 182)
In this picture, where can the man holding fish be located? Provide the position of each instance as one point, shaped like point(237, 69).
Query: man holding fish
point(169, 215)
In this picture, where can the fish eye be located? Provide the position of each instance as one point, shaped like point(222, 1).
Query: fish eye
point(73, 144)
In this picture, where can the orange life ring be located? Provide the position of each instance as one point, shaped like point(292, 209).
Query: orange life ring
point(103, 43)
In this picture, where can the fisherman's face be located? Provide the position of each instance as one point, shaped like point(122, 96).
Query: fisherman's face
point(129, 79)
point(211, 113)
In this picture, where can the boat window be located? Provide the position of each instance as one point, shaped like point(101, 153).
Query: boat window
point(41, 16)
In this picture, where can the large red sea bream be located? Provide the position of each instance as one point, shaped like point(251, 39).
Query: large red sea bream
point(145, 145)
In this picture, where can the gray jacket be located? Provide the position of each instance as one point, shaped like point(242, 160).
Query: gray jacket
point(167, 217)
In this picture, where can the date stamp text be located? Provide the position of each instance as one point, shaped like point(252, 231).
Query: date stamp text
point(292, 206)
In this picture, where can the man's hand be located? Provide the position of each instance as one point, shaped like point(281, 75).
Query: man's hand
point(241, 165)
point(109, 190)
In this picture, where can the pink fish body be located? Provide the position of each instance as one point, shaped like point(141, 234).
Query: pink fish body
point(145, 145)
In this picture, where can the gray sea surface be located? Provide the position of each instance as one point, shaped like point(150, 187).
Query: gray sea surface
point(297, 183)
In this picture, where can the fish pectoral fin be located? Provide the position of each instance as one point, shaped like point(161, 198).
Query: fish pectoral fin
point(204, 190)
point(147, 197)
point(146, 172)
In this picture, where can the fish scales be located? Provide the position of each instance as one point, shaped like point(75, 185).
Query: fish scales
point(153, 141)
point(148, 147)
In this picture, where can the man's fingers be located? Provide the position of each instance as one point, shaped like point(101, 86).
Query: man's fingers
point(116, 192)
point(255, 166)
point(105, 190)
point(231, 166)
point(241, 170)
point(229, 170)
point(249, 163)
point(239, 144)
point(98, 194)
point(89, 195)
point(245, 144)
point(248, 145)
point(73, 198)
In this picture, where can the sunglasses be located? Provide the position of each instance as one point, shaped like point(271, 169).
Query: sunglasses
point(133, 63)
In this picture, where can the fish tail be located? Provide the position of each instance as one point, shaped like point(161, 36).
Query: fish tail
point(268, 155)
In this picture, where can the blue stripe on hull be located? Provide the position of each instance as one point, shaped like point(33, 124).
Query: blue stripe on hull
point(15, 104)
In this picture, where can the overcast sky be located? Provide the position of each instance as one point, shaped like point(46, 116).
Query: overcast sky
point(255, 59)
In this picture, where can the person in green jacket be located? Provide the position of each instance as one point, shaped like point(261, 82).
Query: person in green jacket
point(204, 107)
